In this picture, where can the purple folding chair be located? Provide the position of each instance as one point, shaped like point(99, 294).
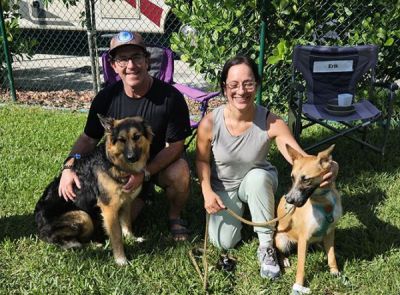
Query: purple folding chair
point(162, 67)
point(329, 71)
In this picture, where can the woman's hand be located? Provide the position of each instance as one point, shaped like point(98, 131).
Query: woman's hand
point(66, 186)
point(330, 177)
point(213, 203)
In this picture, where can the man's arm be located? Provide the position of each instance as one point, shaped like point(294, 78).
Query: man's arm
point(163, 159)
point(166, 156)
point(83, 145)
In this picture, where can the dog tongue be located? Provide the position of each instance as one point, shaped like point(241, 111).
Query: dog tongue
point(129, 185)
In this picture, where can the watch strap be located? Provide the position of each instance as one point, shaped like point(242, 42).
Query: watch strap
point(147, 175)
point(73, 156)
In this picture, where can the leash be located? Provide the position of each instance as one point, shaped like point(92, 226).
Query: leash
point(204, 278)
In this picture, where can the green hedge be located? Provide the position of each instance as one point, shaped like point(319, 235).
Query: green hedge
point(225, 28)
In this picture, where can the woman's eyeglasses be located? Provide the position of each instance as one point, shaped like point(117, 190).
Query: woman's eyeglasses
point(124, 60)
point(247, 85)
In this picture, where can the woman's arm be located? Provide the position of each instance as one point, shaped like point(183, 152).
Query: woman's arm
point(278, 130)
point(212, 202)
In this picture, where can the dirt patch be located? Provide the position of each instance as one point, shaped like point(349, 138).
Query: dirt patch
point(78, 100)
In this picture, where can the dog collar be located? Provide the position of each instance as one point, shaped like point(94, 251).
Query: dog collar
point(327, 210)
point(321, 192)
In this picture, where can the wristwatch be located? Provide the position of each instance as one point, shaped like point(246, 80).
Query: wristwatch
point(73, 156)
point(147, 174)
point(69, 166)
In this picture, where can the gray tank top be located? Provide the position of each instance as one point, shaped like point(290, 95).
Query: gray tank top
point(233, 156)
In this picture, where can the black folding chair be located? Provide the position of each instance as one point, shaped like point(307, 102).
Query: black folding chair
point(332, 70)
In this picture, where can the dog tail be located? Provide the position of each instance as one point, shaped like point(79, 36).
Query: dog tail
point(69, 230)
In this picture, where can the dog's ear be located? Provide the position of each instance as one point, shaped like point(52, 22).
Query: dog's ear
point(148, 131)
point(325, 157)
point(108, 123)
point(293, 153)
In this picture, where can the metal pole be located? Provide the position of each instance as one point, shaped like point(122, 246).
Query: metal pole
point(263, 30)
point(94, 44)
point(7, 54)
point(91, 45)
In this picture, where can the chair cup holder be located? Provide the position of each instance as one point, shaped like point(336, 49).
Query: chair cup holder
point(333, 108)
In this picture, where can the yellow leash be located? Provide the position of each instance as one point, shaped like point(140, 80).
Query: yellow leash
point(204, 278)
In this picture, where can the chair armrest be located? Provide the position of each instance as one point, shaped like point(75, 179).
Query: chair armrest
point(195, 93)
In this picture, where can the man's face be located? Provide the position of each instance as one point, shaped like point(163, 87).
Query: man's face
point(131, 64)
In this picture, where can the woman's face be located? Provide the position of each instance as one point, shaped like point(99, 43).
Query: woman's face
point(240, 86)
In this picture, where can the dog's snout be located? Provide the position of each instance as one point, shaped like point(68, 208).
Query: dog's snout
point(131, 155)
point(296, 197)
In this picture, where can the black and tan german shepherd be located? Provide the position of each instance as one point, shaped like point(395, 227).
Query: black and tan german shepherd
point(101, 201)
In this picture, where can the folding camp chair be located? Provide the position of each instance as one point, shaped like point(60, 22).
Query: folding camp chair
point(162, 67)
point(329, 71)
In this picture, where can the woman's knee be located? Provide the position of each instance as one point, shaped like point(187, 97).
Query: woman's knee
point(260, 180)
point(224, 230)
point(225, 242)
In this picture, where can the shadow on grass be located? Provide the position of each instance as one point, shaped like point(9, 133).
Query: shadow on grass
point(375, 236)
point(17, 226)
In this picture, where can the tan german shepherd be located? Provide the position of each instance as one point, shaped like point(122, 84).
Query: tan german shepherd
point(316, 212)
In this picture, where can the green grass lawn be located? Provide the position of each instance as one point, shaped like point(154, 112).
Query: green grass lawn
point(33, 145)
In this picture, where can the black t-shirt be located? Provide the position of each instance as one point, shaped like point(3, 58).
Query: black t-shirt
point(163, 107)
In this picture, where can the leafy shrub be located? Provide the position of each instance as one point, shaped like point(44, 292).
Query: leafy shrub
point(221, 29)
point(225, 28)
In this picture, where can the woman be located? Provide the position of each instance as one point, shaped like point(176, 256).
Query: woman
point(232, 147)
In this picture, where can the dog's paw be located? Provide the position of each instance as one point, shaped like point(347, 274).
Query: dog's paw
point(286, 262)
point(140, 240)
point(298, 289)
point(71, 245)
point(127, 233)
point(121, 261)
point(335, 272)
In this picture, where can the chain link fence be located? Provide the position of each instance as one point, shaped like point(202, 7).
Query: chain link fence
point(68, 42)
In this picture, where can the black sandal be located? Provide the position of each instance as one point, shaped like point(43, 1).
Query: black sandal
point(180, 233)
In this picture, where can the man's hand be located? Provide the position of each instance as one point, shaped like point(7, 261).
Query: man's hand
point(330, 177)
point(134, 181)
point(213, 203)
point(67, 182)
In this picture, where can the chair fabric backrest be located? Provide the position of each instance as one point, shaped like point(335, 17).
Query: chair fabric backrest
point(330, 70)
point(161, 65)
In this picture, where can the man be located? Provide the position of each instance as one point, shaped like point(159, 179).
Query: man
point(162, 106)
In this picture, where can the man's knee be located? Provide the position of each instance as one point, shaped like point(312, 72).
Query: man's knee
point(176, 175)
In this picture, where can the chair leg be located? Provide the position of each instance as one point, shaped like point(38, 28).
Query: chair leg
point(294, 123)
point(364, 136)
point(291, 121)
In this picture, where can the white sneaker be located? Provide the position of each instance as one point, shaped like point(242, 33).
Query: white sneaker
point(269, 262)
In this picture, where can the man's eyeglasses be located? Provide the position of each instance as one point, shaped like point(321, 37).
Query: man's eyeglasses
point(247, 85)
point(124, 60)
